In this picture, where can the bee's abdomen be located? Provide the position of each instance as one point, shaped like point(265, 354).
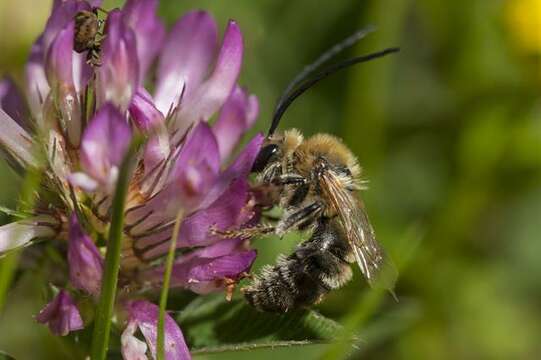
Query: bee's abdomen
point(283, 287)
point(304, 277)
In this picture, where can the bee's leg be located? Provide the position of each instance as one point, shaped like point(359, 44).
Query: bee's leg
point(299, 195)
point(289, 179)
point(272, 171)
point(230, 284)
point(303, 216)
point(245, 233)
point(270, 190)
point(93, 56)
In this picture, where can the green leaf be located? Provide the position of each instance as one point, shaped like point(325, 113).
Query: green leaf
point(254, 346)
point(14, 213)
point(212, 324)
point(4, 356)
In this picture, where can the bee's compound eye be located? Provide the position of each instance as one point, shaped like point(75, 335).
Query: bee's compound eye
point(264, 157)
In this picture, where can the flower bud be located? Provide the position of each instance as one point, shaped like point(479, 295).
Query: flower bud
point(61, 315)
point(85, 261)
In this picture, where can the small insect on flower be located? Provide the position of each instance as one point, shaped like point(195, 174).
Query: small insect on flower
point(315, 181)
point(88, 35)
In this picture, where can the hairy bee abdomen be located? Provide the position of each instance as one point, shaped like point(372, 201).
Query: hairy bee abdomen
point(318, 265)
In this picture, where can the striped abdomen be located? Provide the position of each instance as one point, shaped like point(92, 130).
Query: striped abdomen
point(318, 265)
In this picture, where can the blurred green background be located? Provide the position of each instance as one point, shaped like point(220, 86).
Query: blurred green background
point(448, 132)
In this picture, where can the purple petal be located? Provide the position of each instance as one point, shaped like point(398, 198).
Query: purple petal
point(59, 69)
point(187, 54)
point(229, 210)
point(226, 266)
point(58, 62)
point(238, 115)
point(36, 80)
point(20, 233)
point(82, 71)
point(118, 75)
point(242, 165)
point(200, 152)
point(61, 16)
point(85, 261)
point(212, 94)
point(12, 102)
point(149, 31)
point(150, 120)
point(193, 173)
point(38, 88)
point(200, 148)
point(145, 115)
point(157, 150)
point(239, 169)
point(92, 3)
point(104, 144)
point(227, 259)
point(197, 166)
point(206, 269)
point(16, 141)
point(144, 315)
point(61, 315)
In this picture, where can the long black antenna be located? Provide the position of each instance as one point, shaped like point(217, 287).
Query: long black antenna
point(323, 58)
point(289, 94)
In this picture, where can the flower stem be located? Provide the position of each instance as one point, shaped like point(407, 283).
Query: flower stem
point(160, 352)
point(102, 325)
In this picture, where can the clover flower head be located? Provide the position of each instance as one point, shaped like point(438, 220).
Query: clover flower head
point(74, 122)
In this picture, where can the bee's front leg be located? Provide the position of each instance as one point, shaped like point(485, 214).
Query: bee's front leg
point(289, 179)
point(300, 218)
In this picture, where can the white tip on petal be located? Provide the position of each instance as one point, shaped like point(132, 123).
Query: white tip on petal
point(83, 181)
point(16, 140)
point(20, 233)
point(132, 347)
point(36, 80)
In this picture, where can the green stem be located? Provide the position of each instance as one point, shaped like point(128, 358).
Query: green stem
point(160, 352)
point(102, 326)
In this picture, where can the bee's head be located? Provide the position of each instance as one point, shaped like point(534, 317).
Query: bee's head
point(277, 147)
point(269, 153)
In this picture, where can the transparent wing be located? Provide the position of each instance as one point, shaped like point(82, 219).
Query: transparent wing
point(375, 265)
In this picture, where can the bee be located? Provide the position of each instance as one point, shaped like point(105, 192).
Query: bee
point(315, 181)
point(88, 35)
